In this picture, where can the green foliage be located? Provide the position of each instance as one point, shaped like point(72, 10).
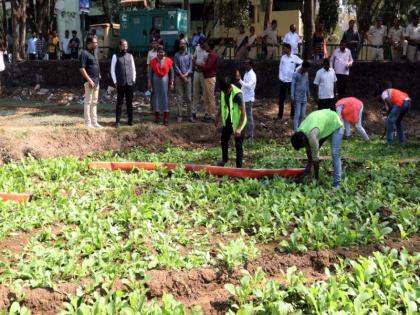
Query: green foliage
point(328, 14)
point(383, 284)
point(237, 252)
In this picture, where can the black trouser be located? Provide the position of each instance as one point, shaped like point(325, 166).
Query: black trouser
point(227, 132)
point(32, 56)
point(342, 85)
point(52, 56)
point(326, 103)
point(127, 91)
point(284, 90)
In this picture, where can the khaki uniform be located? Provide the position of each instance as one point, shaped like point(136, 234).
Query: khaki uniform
point(396, 38)
point(413, 33)
point(376, 37)
point(271, 41)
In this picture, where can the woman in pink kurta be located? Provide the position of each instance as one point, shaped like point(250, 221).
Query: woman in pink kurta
point(350, 110)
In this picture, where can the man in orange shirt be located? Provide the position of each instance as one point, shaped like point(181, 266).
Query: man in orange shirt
point(397, 104)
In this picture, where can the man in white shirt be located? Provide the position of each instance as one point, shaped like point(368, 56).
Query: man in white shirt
point(396, 40)
point(270, 39)
point(341, 61)
point(199, 59)
point(152, 52)
point(325, 79)
point(287, 66)
point(248, 85)
point(376, 36)
point(64, 46)
point(293, 39)
point(413, 37)
point(123, 73)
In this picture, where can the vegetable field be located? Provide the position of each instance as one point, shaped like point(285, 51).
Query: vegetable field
point(171, 242)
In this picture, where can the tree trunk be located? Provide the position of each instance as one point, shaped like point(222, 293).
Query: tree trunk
point(308, 27)
point(4, 24)
point(268, 11)
point(107, 10)
point(18, 28)
point(186, 4)
point(22, 29)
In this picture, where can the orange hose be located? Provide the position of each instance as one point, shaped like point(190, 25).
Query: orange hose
point(15, 197)
point(213, 170)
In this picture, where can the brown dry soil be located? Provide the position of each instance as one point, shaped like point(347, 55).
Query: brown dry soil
point(44, 129)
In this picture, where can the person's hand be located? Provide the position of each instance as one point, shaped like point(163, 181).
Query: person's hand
point(91, 84)
point(238, 76)
point(238, 133)
point(171, 85)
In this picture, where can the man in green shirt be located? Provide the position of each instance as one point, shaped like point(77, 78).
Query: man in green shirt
point(312, 133)
point(233, 115)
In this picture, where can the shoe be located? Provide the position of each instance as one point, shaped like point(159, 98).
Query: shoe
point(179, 119)
point(130, 123)
point(117, 125)
point(166, 123)
point(97, 126)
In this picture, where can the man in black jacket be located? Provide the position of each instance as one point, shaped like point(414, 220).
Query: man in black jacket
point(123, 73)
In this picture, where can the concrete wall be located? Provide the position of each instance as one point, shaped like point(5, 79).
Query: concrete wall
point(363, 80)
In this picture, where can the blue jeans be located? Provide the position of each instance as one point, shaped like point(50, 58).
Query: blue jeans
point(250, 120)
point(300, 111)
point(336, 139)
point(358, 127)
point(395, 116)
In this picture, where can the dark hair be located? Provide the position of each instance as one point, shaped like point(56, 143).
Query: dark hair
point(306, 64)
point(122, 40)
point(291, 25)
point(287, 45)
point(343, 42)
point(74, 32)
point(225, 83)
point(89, 39)
point(160, 48)
point(273, 21)
point(250, 61)
point(66, 31)
point(298, 140)
point(211, 44)
point(326, 60)
point(202, 40)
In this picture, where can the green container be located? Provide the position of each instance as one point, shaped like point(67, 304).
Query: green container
point(135, 27)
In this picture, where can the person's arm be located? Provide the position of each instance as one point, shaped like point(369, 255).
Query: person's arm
point(190, 66)
point(113, 62)
point(171, 77)
point(316, 82)
point(134, 69)
point(335, 85)
point(243, 115)
point(210, 63)
point(293, 88)
point(332, 60)
point(249, 83)
point(83, 72)
point(149, 78)
point(313, 151)
point(350, 63)
point(339, 110)
point(176, 65)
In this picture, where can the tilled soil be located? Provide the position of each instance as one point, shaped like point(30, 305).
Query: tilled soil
point(205, 286)
point(18, 141)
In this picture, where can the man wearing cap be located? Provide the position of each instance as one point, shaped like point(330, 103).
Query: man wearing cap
point(412, 35)
point(376, 36)
point(183, 67)
point(199, 59)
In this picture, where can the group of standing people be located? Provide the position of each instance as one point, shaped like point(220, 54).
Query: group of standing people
point(38, 47)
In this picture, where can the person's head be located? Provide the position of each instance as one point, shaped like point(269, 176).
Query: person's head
point(378, 22)
point(160, 52)
point(241, 29)
point(299, 140)
point(326, 64)
point(181, 36)
point(157, 32)
point(415, 19)
point(40, 36)
point(155, 44)
point(91, 42)
point(93, 31)
point(225, 85)
point(66, 34)
point(201, 41)
point(208, 45)
point(287, 49)
point(397, 22)
point(273, 24)
point(292, 28)
point(54, 33)
point(123, 45)
point(320, 27)
point(182, 44)
point(73, 33)
point(248, 64)
point(34, 34)
point(306, 65)
point(351, 24)
point(343, 45)
point(252, 30)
